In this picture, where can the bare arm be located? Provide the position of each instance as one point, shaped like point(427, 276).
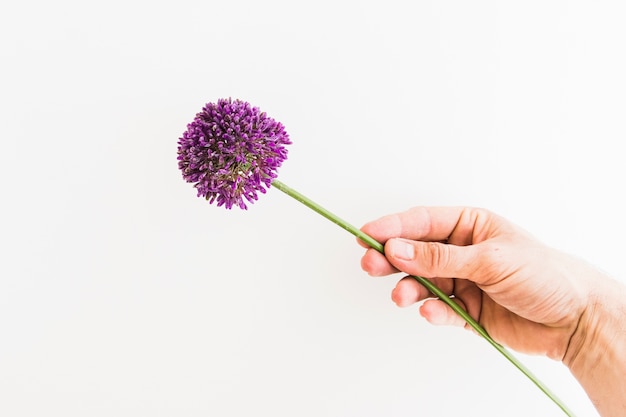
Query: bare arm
point(597, 351)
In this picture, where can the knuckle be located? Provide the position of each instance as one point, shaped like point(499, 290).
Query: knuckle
point(435, 257)
point(489, 259)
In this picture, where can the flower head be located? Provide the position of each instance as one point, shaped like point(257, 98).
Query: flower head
point(231, 151)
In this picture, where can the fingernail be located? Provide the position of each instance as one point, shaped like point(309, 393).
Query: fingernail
point(401, 249)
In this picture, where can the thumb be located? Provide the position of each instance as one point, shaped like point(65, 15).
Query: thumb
point(432, 259)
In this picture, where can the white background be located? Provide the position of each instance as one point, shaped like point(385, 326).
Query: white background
point(122, 294)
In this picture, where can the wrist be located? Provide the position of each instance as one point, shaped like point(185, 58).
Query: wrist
point(595, 354)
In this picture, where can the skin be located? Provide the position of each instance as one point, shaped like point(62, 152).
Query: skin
point(528, 296)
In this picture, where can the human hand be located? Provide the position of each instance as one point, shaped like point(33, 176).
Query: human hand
point(526, 295)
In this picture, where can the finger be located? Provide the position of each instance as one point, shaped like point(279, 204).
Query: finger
point(469, 296)
point(376, 265)
point(457, 225)
point(408, 291)
point(433, 259)
point(439, 313)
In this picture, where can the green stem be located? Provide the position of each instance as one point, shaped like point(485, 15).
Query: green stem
point(430, 286)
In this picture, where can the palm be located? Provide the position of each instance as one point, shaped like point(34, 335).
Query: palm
point(518, 310)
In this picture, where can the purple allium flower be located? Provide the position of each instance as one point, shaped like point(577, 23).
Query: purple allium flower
point(231, 151)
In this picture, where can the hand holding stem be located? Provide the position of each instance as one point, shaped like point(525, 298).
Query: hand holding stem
point(527, 296)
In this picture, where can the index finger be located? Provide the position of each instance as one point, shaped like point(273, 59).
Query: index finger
point(456, 225)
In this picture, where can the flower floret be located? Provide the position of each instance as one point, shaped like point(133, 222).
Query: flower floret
point(232, 151)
